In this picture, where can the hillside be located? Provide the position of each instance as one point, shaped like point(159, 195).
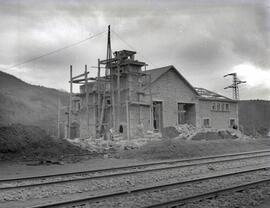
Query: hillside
point(28, 104)
point(254, 116)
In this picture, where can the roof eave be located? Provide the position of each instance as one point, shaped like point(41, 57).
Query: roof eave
point(217, 99)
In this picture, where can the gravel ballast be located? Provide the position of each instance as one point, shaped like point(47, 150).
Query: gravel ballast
point(121, 182)
point(214, 164)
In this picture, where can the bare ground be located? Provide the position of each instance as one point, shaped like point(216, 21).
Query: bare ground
point(179, 148)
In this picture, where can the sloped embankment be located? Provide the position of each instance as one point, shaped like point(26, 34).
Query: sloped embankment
point(30, 142)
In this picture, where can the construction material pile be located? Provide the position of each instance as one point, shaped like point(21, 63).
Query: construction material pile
point(117, 142)
point(30, 142)
point(186, 131)
point(189, 132)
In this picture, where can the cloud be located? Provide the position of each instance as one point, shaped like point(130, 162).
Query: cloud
point(204, 39)
point(253, 75)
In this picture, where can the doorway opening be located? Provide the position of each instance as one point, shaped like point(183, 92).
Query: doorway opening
point(186, 113)
point(157, 115)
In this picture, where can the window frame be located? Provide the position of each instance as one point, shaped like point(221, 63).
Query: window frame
point(209, 122)
point(220, 107)
point(230, 119)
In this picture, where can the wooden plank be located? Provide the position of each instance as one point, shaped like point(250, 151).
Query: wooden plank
point(83, 80)
point(106, 61)
point(81, 75)
point(139, 103)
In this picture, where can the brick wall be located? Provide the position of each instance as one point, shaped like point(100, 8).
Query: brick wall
point(218, 119)
point(170, 89)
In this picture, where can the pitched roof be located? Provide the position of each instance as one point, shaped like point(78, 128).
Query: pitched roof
point(210, 95)
point(158, 72)
point(200, 92)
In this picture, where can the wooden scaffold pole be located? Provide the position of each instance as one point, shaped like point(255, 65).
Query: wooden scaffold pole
point(87, 99)
point(58, 118)
point(70, 105)
point(98, 95)
point(151, 103)
point(118, 96)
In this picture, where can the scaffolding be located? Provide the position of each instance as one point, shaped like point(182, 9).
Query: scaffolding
point(121, 90)
point(122, 85)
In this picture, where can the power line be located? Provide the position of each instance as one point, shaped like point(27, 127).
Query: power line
point(119, 37)
point(56, 51)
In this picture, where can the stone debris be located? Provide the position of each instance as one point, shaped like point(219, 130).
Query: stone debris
point(117, 142)
point(190, 132)
point(186, 131)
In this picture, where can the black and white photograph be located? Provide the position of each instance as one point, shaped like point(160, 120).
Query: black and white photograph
point(135, 104)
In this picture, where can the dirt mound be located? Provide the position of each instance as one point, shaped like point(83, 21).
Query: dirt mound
point(31, 142)
point(223, 134)
point(169, 132)
point(180, 148)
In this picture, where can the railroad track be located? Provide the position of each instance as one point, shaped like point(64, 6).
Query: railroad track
point(207, 195)
point(173, 194)
point(120, 179)
point(43, 180)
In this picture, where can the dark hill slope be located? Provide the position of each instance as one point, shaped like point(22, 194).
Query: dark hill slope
point(254, 116)
point(28, 104)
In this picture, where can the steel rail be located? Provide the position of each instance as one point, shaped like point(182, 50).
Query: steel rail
point(141, 165)
point(96, 198)
point(207, 195)
point(121, 173)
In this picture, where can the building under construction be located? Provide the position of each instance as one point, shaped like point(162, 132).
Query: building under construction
point(131, 100)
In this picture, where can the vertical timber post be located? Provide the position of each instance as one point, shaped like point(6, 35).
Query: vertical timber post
point(87, 99)
point(98, 95)
point(128, 123)
point(112, 99)
point(70, 105)
point(118, 96)
point(151, 103)
point(58, 119)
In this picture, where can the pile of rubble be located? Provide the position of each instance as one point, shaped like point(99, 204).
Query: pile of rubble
point(186, 131)
point(117, 142)
point(190, 132)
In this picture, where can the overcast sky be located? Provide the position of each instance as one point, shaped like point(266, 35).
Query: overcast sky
point(204, 40)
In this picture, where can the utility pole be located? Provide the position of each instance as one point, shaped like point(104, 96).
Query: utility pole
point(234, 86)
